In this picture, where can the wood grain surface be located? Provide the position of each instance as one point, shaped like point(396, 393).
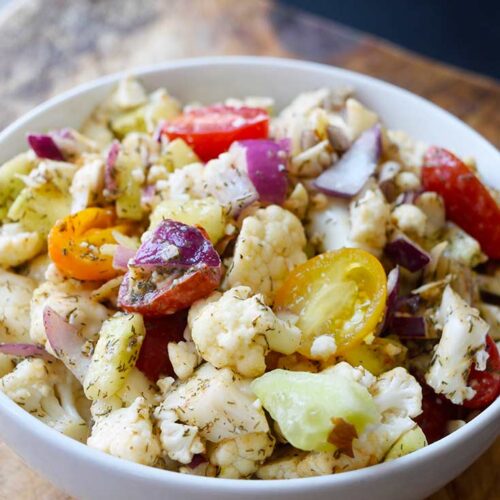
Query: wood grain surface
point(48, 46)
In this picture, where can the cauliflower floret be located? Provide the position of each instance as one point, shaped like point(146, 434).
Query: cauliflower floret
point(127, 433)
point(179, 442)
point(18, 245)
point(237, 330)
point(184, 358)
point(462, 343)
point(268, 247)
point(15, 297)
point(298, 201)
point(398, 397)
point(462, 247)
point(70, 300)
point(358, 118)
point(49, 392)
point(129, 94)
point(36, 269)
point(433, 207)
point(184, 183)
point(370, 215)
point(283, 466)
point(88, 184)
point(408, 181)
point(410, 219)
point(218, 402)
point(409, 151)
point(240, 457)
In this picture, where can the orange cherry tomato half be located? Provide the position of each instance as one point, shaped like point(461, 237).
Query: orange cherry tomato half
point(341, 294)
point(75, 244)
point(212, 129)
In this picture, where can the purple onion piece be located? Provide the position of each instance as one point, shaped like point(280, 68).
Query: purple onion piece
point(175, 245)
point(407, 253)
point(408, 327)
point(409, 303)
point(110, 181)
point(25, 351)
point(45, 147)
point(264, 160)
point(121, 257)
point(198, 459)
point(392, 296)
point(66, 343)
point(347, 177)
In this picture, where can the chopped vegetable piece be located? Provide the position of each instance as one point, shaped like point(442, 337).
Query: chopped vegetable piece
point(115, 355)
point(340, 294)
point(410, 441)
point(175, 267)
point(153, 359)
point(468, 203)
point(75, 241)
point(211, 130)
point(347, 177)
point(308, 406)
point(265, 162)
point(407, 253)
point(44, 146)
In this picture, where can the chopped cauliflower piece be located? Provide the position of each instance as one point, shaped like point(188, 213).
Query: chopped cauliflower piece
point(408, 181)
point(49, 392)
point(15, 297)
point(370, 215)
point(323, 347)
point(462, 247)
point(184, 358)
point(218, 402)
point(72, 301)
point(410, 219)
point(88, 184)
point(179, 441)
point(283, 466)
point(461, 345)
point(433, 207)
point(358, 118)
point(129, 94)
point(237, 330)
point(241, 456)
point(127, 433)
point(298, 201)
point(268, 247)
point(184, 183)
point(410, 152)
point(18, 245)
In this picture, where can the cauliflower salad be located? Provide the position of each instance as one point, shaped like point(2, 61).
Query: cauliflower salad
point(230, 291)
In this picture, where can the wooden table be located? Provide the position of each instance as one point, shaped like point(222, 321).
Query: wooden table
point(48, 46)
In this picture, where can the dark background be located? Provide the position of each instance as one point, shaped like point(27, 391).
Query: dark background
point(459, 32)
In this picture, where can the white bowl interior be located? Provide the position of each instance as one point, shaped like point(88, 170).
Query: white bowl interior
point(209, 80)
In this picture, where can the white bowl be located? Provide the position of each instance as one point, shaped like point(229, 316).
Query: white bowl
point(90, 474)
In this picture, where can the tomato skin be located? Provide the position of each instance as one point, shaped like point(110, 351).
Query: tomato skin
point(468, 203)
point(486, 383)
point(169, 300)
point(340, 293)
point(211, 130)
point(153, 358)
point(69, 240)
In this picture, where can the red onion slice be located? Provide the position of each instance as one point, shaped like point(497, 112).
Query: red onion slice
point(66, 343)
point(407, 253)
point(197, 460)
point(121, 257)
point(45, 147)
point(175, 245)
point(392, 296)
point(230, 185)
point(347, 177)
point(264, 160)
point(25, 351)
point(110, 181)
point(408, 327)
